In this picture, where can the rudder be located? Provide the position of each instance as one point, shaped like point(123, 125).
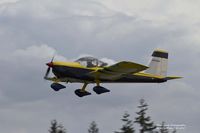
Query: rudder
point(159, 63)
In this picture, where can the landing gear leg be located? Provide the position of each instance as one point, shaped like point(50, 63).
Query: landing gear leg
point(82, 92)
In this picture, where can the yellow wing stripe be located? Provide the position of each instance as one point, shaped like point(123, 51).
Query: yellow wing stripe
point(148, 75)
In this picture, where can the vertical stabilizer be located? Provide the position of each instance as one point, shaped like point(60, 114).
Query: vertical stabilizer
point(159, 63)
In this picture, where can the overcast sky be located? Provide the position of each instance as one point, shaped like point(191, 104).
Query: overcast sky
point(31, 31)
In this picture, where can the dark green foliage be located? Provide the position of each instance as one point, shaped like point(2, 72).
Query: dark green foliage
point(128, 124)
point(93, 128)
point(56, 128)
point(143, 120)
point(174, 131)
point(163, 128)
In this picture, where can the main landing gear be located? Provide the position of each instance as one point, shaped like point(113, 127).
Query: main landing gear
point(82, 92)
point(98, 89)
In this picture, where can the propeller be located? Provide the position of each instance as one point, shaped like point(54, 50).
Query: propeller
point(50, 64)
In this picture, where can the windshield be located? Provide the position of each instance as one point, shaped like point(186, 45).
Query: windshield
point(91, 62)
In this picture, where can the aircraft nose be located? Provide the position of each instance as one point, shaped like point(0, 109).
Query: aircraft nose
point(50, 64)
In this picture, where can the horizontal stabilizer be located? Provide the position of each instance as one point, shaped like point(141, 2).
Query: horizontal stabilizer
point(173, 77)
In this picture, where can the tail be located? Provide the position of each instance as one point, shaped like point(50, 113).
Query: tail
point(159, 63)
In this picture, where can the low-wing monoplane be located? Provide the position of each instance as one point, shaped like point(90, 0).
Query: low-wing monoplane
point(89, 70)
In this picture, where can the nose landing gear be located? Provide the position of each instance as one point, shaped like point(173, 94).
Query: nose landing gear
point(57, 87)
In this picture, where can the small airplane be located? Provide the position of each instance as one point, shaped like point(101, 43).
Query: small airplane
point(88, 70)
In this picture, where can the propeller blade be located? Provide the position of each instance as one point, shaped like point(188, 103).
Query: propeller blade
point(47, 72)
point(49, 68)
point(52, 58)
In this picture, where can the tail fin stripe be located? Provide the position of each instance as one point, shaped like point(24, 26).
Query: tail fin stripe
point(160, 54)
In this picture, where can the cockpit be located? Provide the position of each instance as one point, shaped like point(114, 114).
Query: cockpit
point(91, 62)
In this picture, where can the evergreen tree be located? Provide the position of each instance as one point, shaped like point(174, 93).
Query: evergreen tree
point(174, 131)
point(53, 128)
point(163, 128)
point(61, 129)
point(143, 120)
point(128, 126)
point(56, 128)
point(93, 128)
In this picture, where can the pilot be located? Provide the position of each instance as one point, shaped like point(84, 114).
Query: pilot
point(90, 64)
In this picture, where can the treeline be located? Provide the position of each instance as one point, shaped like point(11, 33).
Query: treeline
point(142, 120)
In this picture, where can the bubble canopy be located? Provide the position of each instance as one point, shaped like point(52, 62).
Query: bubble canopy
point(91, 62)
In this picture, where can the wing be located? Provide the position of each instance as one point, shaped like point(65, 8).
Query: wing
point(117, 70)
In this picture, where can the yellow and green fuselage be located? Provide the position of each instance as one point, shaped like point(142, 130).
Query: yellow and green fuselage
point(75, 72)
